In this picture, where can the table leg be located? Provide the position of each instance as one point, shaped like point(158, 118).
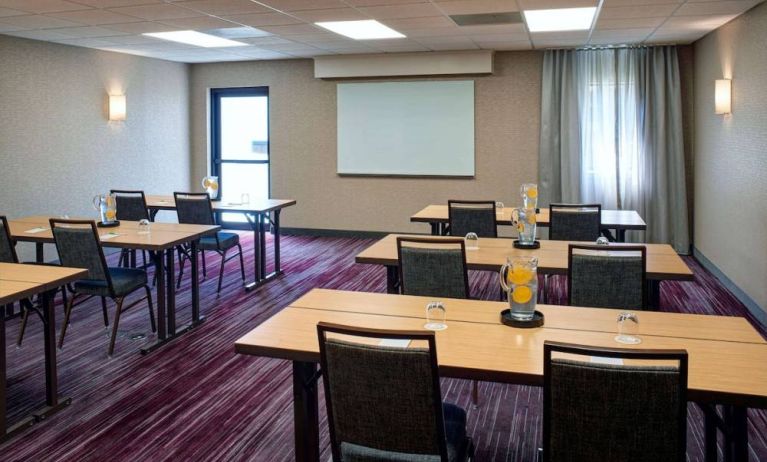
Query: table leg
point(153, 213)
point(52, 403)
point(3, 379)
point(653, 294)
point(306, 412)
point(170, 302)
point(736, 434)
point(620, 235)
point(276, 225)
point(392, 280)
point(261, 247)
point(434, 228)
point(39, 252)
point(710, 432)
point(162, 331)
point(195, 283)
point(254, 224)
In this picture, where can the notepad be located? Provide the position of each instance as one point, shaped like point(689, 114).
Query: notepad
point(107, 236)
point(36, 230)
point(603, 360)
point(395, 343)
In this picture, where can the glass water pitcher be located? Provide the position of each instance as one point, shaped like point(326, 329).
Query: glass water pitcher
point(525, 221)
point(529, 195)
point(519, 278)
point(210, 183)
point(106, 206)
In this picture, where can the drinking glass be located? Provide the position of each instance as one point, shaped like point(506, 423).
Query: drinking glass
point(472, 241)
point(499, 210)
point(628, 324)
point(435, 316)
point(245, 198)
point(144, 227)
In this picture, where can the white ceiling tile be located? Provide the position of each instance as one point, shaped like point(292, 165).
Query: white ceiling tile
point(432, 31)
point(411, 10)
point(547, 4)
point(294, 29)
point(643, 11)
point(115, 3)
point(695, 23)
point(494, 29)
point(505, 37)
point(88, 31)
point(8, 28)
point(142, 27)
point(619, 37)
point(729, 7)
point(518, 45)
point(132, 40)
point(4, 12)
point(94, 17)
point(382, 2)
point(418, 23)
point(156, 12)
point(477, 6)
point(609, 24)
point(224, 7)
point(263, 41)
point(614, 3)
point(296, 5)
point(41, 6)
point(86, 42)
point(331, 14)
point(263, 19)
point(38, 34)
point(37, 21)
point(318, 37)
point(199, 23)
point(679, 37)
point(263, 54)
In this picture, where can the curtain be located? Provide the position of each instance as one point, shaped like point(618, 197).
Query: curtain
point(611, 133)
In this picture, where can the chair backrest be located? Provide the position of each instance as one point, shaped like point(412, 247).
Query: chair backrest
point(433, 267)
point(613, 276)
point(598, 411)
point(131, 205)
point(575, 222)
point(472, 217)
point(194, 208)
point(7, 246)
point(79, 246)
point(382, 401)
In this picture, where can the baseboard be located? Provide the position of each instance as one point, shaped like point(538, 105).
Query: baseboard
point(315, 232)
point(744, 298)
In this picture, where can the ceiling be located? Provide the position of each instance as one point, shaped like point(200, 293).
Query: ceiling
point(283, 29)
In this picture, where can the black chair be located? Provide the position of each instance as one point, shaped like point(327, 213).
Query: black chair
point(384, 403)
point(472, 217)
point(196, 209)
point(131, 206)
point(79, 246)
point(594, 411)
point(575, 222)
point(433, 267)
point(607, 276)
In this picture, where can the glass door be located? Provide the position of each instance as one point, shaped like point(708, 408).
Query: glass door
point(240, 147)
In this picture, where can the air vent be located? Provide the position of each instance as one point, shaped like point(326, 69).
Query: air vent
point(486, 19)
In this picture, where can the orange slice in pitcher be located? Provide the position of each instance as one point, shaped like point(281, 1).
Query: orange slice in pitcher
point(521, 294)
point(519, 276)
point(532, 193)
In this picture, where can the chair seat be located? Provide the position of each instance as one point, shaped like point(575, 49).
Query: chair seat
point(455, 434)
point(124, 281)
point(225, 241)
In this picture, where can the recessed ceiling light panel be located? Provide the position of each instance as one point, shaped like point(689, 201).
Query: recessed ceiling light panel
point(191, 37)
point(361, 30)
point(560, 19)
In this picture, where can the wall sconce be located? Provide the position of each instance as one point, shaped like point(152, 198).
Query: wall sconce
point(723, 96)
point(117, 105)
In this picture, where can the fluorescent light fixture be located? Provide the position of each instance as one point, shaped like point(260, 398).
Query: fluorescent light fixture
point(361, 30)
point(117, 106)
point(199, 39)
point(560, 19)
point(723, 96)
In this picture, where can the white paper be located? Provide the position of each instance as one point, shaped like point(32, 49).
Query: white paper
point(603, 360)
point(36, 230)
point(393, 342)
point(108, 236)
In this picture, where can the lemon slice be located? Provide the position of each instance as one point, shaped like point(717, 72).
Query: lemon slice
point(110, 214)
point(521, 294)
point(519, 276)
point(206, 183)
point(214, 185)
point(532, 193)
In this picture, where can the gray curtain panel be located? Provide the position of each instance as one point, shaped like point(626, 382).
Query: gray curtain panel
point(611, 132)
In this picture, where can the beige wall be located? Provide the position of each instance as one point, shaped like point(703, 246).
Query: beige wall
point(731, 153)
point(303, 144)
point(57, 148)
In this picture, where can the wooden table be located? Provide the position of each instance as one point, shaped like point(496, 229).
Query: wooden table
point(723, 351)
point(160, 242)
point(619, 220)
point(663, 263)
point(258, 213)
point(18, 282)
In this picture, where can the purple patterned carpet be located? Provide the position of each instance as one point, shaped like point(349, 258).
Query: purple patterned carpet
point(195, 399)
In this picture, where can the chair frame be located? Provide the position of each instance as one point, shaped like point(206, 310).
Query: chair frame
point(131, 252)
point(432, 240)
point(184, 253)
point(552, 206)
point(7, 231)
point(681, 356)
point(450, 203)
point(324, 327)
point(612, 248)
point(108, 278)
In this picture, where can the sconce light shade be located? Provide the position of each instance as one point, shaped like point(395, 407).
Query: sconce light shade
point(117, 107)
point(723, 96)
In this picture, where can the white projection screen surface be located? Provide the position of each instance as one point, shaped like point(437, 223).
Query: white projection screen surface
point(406, 128)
